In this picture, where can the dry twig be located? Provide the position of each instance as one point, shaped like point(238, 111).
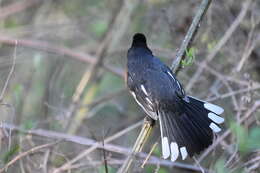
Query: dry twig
point(9, 75)
point(220, 44)
point(16, 7)
point(95, 144)
point(20, 156)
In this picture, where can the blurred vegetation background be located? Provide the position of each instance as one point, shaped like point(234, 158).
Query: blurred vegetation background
point(62, 66)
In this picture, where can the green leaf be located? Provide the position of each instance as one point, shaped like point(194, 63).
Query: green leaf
point(157, 151)
point(37, 60)
point(163, 170)
point(152, 169)
point(110, 81)
point(29, 124)
point(99, 27)
point(17, 92)
point(254, 139)
point(102, 169)
point(241, 135)
point(9, 154)
point(190, 57)
point(219, 166)
point(211, 45)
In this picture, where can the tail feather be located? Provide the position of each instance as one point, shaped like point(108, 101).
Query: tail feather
point(189, 130)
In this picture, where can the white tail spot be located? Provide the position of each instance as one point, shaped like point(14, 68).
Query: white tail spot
point(165, 148)
point(214, 108)
point(184, 153)
point(214, 127)
point(174, 151)
point(215, 118)
point(144, 90)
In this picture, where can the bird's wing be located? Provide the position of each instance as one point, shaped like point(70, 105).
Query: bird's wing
point(142, 97)
point(176, 84)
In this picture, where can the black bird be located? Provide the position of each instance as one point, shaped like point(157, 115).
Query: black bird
point(186, 123)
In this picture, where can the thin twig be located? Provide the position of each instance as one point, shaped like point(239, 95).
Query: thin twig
point(139, 144)
point(157, 162)
point(149, 154)
point(20, 156)
point(104, 153)
point(96, 144)
point(48, 47)
point(197, 163)
point(120, 20)
point(45, 161)
point(190, 34)
point(16, 7)
point(220, 44)
point(10, 73)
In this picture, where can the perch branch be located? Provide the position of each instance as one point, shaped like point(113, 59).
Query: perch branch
point(190, 35)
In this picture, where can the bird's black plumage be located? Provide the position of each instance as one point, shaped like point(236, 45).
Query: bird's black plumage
point(186, 123)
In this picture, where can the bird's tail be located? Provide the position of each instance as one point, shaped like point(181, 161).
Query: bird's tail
point(192, 130)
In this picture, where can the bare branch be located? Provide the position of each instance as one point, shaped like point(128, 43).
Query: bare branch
point(220, 44)
point(95, 144)
point(190, 35)
point(21, 155)
point(16, 7)
point(9, 75)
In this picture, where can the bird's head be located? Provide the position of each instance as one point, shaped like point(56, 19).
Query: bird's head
point(139, 40)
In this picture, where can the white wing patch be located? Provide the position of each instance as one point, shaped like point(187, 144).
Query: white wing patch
point(165, 148)
point(149, 101)
point(178, 84)
point(153, 115)
point(171, 75)
point(174, 151)
point(144, 90)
